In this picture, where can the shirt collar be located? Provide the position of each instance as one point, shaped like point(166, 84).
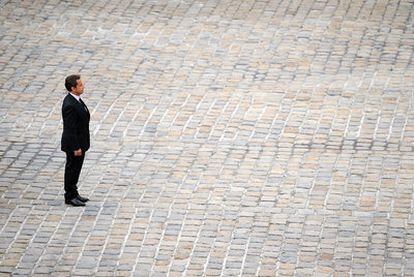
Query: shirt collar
point(77, 97)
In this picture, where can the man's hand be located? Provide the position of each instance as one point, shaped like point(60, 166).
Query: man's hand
point(78, 152)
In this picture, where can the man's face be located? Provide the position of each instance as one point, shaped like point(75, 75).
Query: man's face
point(78, 90)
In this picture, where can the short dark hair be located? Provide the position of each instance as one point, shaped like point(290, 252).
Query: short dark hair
point(72, 81)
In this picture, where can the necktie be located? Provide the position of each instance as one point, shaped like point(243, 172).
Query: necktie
point(83, 104)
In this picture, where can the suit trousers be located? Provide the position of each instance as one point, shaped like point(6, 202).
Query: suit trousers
point(72, 171)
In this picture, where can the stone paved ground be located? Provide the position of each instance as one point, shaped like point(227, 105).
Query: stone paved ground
point(230, 138)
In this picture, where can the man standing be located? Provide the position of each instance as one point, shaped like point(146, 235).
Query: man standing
point(75, 138)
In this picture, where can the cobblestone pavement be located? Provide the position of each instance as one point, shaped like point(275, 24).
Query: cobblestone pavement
point(229, 138)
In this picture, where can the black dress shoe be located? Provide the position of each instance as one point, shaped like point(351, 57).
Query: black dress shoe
point(75, 202)
point(82, 199)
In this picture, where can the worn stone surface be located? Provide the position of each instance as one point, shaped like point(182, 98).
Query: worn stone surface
point(229, 138)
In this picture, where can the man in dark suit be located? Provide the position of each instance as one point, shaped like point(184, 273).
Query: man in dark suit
point(75, 138)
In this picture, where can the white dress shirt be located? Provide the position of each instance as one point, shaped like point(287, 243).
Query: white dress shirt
point(77, 97)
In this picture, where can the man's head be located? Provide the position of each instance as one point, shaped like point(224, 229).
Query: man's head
point(74, 84)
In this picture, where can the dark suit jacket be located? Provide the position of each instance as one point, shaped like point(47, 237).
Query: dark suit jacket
point(76, 118)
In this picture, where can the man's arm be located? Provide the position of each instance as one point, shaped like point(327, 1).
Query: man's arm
point(70, 120)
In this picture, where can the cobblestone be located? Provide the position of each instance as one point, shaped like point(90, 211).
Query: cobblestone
point(229, 138)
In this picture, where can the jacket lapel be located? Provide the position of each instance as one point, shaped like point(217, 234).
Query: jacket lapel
point(84, 105)
point(80, 106)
